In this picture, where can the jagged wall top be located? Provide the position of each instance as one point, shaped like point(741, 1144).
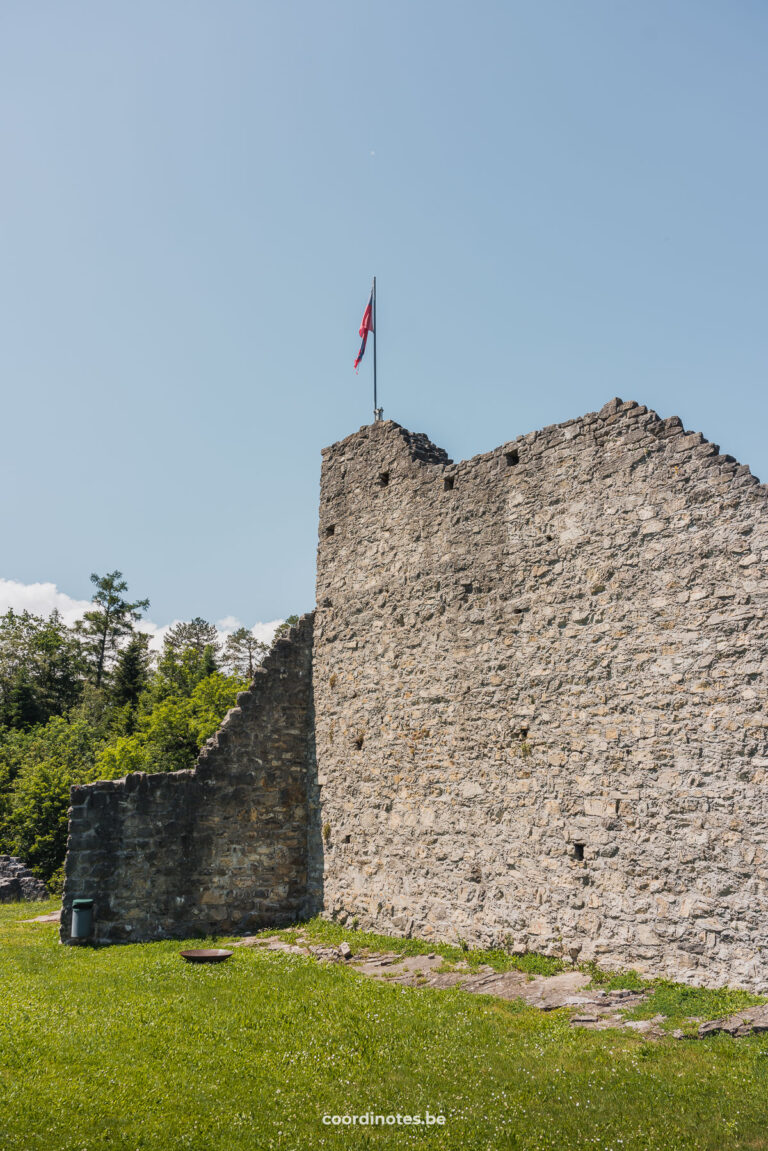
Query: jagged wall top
point(605, 423)
point(418, 445)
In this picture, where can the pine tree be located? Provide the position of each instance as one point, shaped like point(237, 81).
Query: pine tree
point(195, 635)
point(243, 652)
point(131, 673)
point(110, 620)
point(190, 654)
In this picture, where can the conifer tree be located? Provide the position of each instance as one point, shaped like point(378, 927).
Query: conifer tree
point(195, 635)
point(131, 673)
point(190, 654)
point(110, 620)
point(243, 652)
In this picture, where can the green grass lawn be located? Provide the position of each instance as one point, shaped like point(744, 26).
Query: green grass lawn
point(131, 1048)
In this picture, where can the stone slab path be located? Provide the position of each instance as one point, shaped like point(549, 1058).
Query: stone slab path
point(594, 1008)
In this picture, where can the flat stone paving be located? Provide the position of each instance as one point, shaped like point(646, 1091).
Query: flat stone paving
point(591, 1008)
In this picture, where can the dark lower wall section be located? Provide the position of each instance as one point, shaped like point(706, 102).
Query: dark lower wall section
point(221, 848)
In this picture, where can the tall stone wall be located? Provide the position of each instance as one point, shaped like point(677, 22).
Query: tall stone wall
point(220, 848)
point(540, 680)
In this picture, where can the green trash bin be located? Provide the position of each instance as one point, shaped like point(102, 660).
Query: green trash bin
point(82, 918)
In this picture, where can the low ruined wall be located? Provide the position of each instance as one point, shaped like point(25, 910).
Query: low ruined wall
point(220, 848)
point(540, 680)
point(18, 882)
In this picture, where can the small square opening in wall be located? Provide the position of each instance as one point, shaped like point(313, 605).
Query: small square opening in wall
point(578, 852)
point(448, 483)
point(512, 458)
point(383, 479)
point(330, 529)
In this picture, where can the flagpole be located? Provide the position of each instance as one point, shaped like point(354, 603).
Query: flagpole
point(377, 411)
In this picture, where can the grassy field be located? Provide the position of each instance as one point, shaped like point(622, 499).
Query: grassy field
point(130, 1048)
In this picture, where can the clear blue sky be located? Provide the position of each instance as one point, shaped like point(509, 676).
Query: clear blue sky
point(562, 202)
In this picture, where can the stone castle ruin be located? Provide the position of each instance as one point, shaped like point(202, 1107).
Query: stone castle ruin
point(528, 711)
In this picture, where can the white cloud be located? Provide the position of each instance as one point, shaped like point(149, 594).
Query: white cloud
point(40, 599)
point(43, 598)
point(229, 624)
point(156, 634)
point(266, 631)
point(263, 631)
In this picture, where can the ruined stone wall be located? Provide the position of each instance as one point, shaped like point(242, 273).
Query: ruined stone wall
point(220, 848)
point(18, 882)
point(540, 681)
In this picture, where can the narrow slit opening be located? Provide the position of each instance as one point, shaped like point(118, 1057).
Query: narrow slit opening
point(448, 483)
point(578, 852)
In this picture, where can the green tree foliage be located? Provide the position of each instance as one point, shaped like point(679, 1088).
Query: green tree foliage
point(110, 619)
point(131, 674)
point(243, 652)
point(169, 736)
point(37, 769)
point(41, 669)
point(130, 679)
point(85, 703)
point(196, 635)
point(190, 654)
point(286, 626)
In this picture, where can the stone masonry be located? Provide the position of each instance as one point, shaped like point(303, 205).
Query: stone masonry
point(540, 684)
point(222, 847)
point(17, 881)
point(536, 716)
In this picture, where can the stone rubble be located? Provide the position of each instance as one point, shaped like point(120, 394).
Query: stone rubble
point(752, 1020)
point(17, 882)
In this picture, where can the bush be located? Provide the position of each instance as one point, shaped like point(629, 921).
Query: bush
point(38, 767)
point(170, 735)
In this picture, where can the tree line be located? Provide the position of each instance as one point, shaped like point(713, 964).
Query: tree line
point(93, 701)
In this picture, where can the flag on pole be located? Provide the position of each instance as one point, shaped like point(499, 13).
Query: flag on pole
point(365, 327)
